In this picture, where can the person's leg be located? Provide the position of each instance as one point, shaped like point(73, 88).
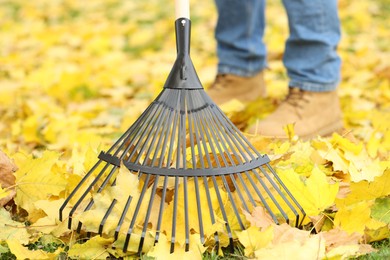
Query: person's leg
point(310, 56)
point(313, 67)
point(239, 33)
point(240, 50)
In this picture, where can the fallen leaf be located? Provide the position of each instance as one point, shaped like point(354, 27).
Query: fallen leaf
point(38, 179)
point(12, 230)
point(254, 239)
point(7, 179)
point(94, 248)
point(314, 194)
point(22, 252)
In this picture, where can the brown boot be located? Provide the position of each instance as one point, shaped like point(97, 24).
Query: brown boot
point(245, 89)
point(312, 113)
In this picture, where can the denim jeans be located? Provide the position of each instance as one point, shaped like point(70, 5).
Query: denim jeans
point(310, 55)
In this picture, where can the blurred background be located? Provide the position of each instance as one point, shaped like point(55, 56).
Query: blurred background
point(78, 73)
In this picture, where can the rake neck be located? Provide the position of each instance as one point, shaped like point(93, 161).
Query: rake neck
point(183, 74)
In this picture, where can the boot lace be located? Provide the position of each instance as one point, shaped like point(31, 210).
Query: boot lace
point(220, 81)
point(296, 99)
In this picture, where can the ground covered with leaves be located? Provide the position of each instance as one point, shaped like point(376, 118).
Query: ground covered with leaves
point(74, 75)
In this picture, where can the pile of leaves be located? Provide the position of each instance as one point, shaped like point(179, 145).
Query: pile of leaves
point(74, 75)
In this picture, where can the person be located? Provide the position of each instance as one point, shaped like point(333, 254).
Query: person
point(310, 58)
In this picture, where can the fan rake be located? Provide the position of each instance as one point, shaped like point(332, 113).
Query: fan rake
point(194, 173)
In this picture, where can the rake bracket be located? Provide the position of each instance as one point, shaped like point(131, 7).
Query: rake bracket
point(110, 158)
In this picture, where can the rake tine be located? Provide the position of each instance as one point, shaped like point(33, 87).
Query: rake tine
point(280, 192)
point(122, 218)
point(227, 140)
point(193, 130)
point(221, 206)
point(235, 132)
point(160, 141)
point(170, 152)
point(98, 191)
point(237, 188)
point(200, 221)
point(130, 230)
point(88, 207)
point(152, 194)
point(187, 225)
point(139, 135)
point(156, 125)
point(271, 195)
point(261, 198)
point(248, 193)
point(232, 202)
point(175, 199)
point(290, 195)
point(216, 185)
point(77, 188)
point(85, 193)
point(108, 212)
point(226, 164)
point(211, 211)
point(160, 214)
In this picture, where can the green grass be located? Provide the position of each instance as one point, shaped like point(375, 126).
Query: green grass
point(383, 252)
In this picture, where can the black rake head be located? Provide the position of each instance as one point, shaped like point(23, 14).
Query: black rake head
point(181, 171)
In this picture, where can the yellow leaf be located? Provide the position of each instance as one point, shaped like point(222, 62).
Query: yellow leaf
point(340, 244)
point(345, 144)
point(3, 193)
point(327, 151)
point(38, 179)
point(365, 190)
point(22, 252)
point(162, 249)
point(315, 194)
point(94, 248)
point(254, 239)
point(362, 167)
point(11, 229)
point(50, 222)
point(353, 218)
point(342, 252)
point(313, 247)
point(259, 217)
point(376, 234)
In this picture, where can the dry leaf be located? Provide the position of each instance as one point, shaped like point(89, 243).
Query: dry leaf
point(7, 179)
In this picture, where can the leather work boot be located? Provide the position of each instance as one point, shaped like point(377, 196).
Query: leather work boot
point(312, 113)
point(227, 87)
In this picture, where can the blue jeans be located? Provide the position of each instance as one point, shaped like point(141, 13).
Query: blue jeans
point(310, 55)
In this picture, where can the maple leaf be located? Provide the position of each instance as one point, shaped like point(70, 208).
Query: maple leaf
point(291, 243)
point(366, 190)
point(38, 179)
point(315, 194)
point(340, 244)
point(259, 217)
point(50, 223)
point(94, 248)
point(381, 210)
point(254, 239)
point(162, 249)
point(11, 229)
point(357, 218)
point(22, 252)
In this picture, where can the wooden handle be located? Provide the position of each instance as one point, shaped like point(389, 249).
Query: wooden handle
point(182, 8)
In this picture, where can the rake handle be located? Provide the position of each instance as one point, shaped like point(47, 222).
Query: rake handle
point(182, 9)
